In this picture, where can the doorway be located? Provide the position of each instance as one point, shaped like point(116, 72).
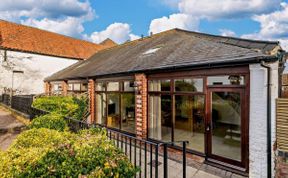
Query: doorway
point(225, 126)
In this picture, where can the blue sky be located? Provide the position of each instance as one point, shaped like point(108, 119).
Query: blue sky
point(96, 20)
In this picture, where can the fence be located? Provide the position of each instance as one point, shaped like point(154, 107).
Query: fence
point(22, 103)
point(5, 99)
point(151, 157)
point(282, 124)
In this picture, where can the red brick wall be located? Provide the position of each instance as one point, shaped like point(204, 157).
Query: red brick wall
point(91, 92)
point(47, 88)
point(141, 105)
point(64, 88)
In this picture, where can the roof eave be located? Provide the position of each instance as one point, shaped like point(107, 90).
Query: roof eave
point(245, 61)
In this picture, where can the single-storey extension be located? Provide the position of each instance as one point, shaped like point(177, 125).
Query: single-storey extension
point(216, 92)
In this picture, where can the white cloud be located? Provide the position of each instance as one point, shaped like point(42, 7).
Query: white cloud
point(181, 21)
point(18, 9)
point(69, 26)
point(227, 32)
point(118, 32)
point(273, 26)
point(226, 8)
point(60, 16)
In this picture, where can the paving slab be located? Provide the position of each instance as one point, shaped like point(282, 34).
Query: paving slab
point(10, 127)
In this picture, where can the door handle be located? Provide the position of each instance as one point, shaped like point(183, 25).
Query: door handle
point(208, 128)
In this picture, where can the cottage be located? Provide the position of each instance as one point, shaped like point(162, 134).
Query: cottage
point(216, 92)
point(28, 55)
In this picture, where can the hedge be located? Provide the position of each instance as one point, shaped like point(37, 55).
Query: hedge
point(65, 105)
point(51, 121)
point(50, 153)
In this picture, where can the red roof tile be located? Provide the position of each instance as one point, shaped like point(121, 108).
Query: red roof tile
point(28, 39)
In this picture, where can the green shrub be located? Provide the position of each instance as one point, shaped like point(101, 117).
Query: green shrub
point(50, 153)
point(65, 105)
point(51, 121)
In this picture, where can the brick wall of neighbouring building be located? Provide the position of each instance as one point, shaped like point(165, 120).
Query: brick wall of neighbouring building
point(141, 105)
point(281, 164)
point(64, 88)
point(47, 88)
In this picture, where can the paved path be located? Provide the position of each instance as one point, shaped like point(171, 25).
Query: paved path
point(9, 128)
point(196, 168)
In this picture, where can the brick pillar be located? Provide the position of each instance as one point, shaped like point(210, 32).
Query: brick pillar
point(47, 88)
point(91, 92)
point(141, 105)
point(64, 88)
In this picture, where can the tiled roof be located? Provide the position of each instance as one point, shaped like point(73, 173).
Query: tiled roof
point(167, 50)
point(108, 43)
point(32, 40)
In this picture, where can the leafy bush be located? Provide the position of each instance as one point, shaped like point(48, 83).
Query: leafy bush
point(51, 121)
point(65, 105)
point(50, 153)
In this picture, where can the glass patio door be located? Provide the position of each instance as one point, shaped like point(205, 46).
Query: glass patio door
point(225, 124)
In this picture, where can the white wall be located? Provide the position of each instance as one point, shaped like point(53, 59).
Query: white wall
point(35, 67)
point(258, 118)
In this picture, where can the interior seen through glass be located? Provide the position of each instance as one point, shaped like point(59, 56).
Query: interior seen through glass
point(226, 124)
point(189, 121)
point(160, 114)
point(116, 108)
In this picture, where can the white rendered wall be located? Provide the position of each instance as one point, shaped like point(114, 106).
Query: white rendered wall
point(258, 118)
point(35, 67)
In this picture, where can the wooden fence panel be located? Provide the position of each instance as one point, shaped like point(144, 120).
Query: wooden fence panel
point(282, 124)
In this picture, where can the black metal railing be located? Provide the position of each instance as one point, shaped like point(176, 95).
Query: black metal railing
point(22, 103)
point(147, 155)
point(6, 99)
point(144, 154)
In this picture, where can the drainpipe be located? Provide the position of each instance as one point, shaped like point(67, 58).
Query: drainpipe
point(269, 161)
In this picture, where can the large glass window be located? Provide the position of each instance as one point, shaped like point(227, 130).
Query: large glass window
point(226, 124)
point(113, 115)
point(128, 112)
point(159, 85)
point(189, 120)
point(177, 115)
point(115, 105)
point(226, 80)
point(101, 108)
point(160, 117)
point(113, 86)
point(100, 86)
point(189, 85)
point(77, 86)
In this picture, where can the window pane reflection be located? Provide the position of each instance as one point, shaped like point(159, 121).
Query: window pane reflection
point(113, 86)
point(192, 85)
point(160, 117)
point(100, 86)
point(101, 108)
point(128, 86)
point(113, 118)
point(128, 112)
point(226, 80)
point(226, 124)
point(159, 85)
point(189, 121)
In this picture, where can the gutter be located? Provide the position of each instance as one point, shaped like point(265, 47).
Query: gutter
point(269, 161)
point(280, 57)
point(172, 68)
